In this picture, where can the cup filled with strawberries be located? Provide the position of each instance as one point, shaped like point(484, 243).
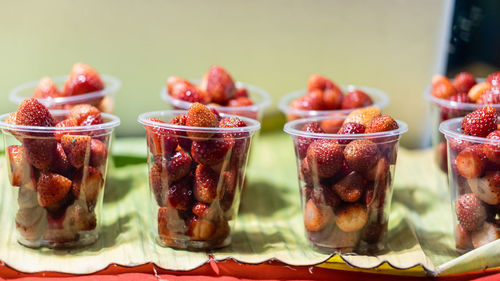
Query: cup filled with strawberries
point(217, 89)
point(324, 97)
point(83, 85)
point(474, 176)
point(197, 160)
point(345, 177)
point(57, 162)
point(457, 97)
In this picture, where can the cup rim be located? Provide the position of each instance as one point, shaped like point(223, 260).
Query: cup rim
point(451, 127)
point(252, 125)
point(265, 96)
point(112, 85)
point(113, 121)
point(289, 128)
point(284, 103)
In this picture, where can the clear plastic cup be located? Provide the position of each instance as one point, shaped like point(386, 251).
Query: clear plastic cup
point(195, 175)
point(379, 98)
point(59, 174)
point(474, 179)
point(259, 96)
point(345, 184)
point(104, 99)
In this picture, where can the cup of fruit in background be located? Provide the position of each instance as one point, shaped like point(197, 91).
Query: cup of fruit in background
point(345, 178)
point(456, 98)
point(197, 161)
point(57, 161)
point(83, 85)
point(474, 176)
point(323, 97)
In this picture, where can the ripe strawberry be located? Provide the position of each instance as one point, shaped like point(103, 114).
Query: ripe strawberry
point(363, 116)
point(233, 122)
point(459, 98)
point(200, 116)
point(487, 233)
point(211, 152)
point(231, 179)
point(332, 98)
point(379, 171)
point(477, 90)
point(180, 194)
point(241, 93)
point(178, 165)
point(20, 172)
point(361, 155)
point(490, 96)
point(40, 151)
point(87, 183)
point(471, 162)
point(70, 122)
point(302, 143)
point(52, 188)
point(218, 85)
point(494, 79)
point(462, 238)
point(184, 90)
point(470, 211)
point(487, 188)
point(161, 141)
point(463, 82)
point(200, 229)
point(356, 99)
point(332, 125)
point(442, 87)
point(316, 218)
point(32, 113)
point(350, 128)
point(323, 195)
point(158, 179)
point(305, 173)
point(320, 82)
point(241, 101)
point(200, 209)
point(457, 145)
point(480, 122)
point(350, 188)
point(324, 157)
point(82, 79)
point(168, 218)
point(82, 112)
point(77, 149)
point(382, 124)
point(205, 184)
point(46, 88)
point(60, 163)
point(492, 148)
point(98, 153)
point(351, 217)
point(311, 101)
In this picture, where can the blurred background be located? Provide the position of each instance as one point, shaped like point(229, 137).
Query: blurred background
point(394, 45)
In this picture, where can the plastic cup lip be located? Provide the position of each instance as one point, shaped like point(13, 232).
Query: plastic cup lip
point(290, 128)
point(381, 100)
point(112, 85)
point(111, 121)
point(252, 125)
point(266, 99)
point(451, 128)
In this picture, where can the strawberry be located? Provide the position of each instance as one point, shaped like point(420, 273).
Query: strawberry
point(487, 233)
point(79, 218)
point(316, 218)
point(241, 101)
point(305, 173)
point(490, 96)
point(200, 116)
point(200, 209)
point(324, 157)
point(178, 165)
point(494, 79)
point(463, 82)
point(52, 188)
point(457, 145)
point(470, 211)
point(230, 182)
point(492, 148)
point(161, 141)
point(332, 125)
point(20, 172)
point(361, 155)
point(363, 116)
point(32, 113)
point(471, 162)
point(82, 112)
point(46, 88)
point(82, 79)
point(350, 188)
point(462, 238)
point(180, 194)
point(158, 179)
point(87, 183)
point(379, 171)
point(311, 101)
point(350, 128)
point(332, 98)
point(487, 188)
point(40, 151)
point(233, 122)
point(166, 218)
point(351, 217)
point(77, 149)
point(477, 90)
point(459, 98)
point(184, 90)
point(480, 122)
point(382, 124)
point(218, 85)
point(320, 82)
point(241, 93)
point(98, 153)
point(60, 163)
point(211, 152)
point(205, 184)
point(302, 143)
point(70, 122)
point(200, 229)
point(442, 87)
point(356, 99)
point(323, 195)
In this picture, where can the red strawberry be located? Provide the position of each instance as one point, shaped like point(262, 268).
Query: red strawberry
point(487, 233)
point(457, 145)
point(182, 139)
point(218, 85)
point(230, 181)
point(487, 188)
point(200, 209)
point(205, 184)
point(91, 120)
point(60, 163)
point(87, 183)
point(98, 153)
point(478, 90)
point(323, 195)
point(319, 82)
point(158, 179)
point(350, 188)
point(463, 82)
point(46, 88)
point(470, 211)
point(32, 113)
point(82, 112)
point(459, 98)
point(442, 87)
point(311, 101)
point(332, 98)
point(351, 217)
point(241, 93)
point(184, 90)
point(161, 141)
point(492, 148)
point(379, 171)
point(70, 122)
point(180, 194)
point(211, 152)
point(233, 122)
point(241, 101)
point(382, 124)
point(200, 116)
point(480, 122)
point(77, 149)
point(325, 157)
point(350, 128)
point(168, 219)
point(490, 96)
point(494, 79)
point(178, 165)
point(20, 172)
point(40, 151)
point(302, 143)
point(315, 217)
point(356, 99)
point(361, 155)
point(200, 229)
point(471, 162)
point(462, 238)
point(331, 126)
point(82, 79)
point(52, 188)
point(305, 173)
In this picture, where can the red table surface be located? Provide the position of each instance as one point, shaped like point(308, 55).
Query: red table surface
point(230, 270)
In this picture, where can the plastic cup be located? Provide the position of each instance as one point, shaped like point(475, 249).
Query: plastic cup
point(345, 185)
point(379, 98)
point(59, 182)
point(195, 176)
point(473, 176)
point(259, 96)
point(104, 99)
